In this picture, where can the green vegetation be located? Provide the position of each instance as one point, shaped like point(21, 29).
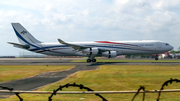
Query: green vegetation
point(114, 78)
point(172, 52)
point(9, 73)
point(131, 60)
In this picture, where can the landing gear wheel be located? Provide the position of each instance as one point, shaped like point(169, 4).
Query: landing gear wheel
point(156, 58)
point(88, 60)
point(93, 60)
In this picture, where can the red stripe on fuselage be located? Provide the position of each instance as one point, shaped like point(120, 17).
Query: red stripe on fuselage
point(112, 42)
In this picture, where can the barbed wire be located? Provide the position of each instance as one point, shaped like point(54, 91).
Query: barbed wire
point(74, 85)
point(10, 89)
point(143, 88)
point(88, 89)
point(166, 84)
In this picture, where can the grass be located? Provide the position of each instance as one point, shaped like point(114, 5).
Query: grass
point(130, 60)
point(9, 73)
point(114, 78)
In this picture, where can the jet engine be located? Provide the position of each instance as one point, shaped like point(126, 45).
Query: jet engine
point(110, 54)
point(90, 51)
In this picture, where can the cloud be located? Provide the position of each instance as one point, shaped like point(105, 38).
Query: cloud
point(91, 20)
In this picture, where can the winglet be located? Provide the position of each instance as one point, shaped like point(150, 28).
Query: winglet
point(62, 42)
point(76, 47)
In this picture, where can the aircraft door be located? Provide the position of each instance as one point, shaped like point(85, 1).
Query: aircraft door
point(158, 45)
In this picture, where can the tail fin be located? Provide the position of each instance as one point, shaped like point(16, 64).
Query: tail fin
point(23, 35)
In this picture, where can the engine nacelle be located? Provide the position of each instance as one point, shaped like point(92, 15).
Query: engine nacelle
point(110, 54)
point(90, 51)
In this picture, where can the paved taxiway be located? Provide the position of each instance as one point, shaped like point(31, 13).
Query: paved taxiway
point(50, 77)
point(43, 78)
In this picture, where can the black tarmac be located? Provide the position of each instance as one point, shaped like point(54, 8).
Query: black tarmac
point(42, 79)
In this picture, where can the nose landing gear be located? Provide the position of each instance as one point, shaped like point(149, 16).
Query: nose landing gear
point(156, 58)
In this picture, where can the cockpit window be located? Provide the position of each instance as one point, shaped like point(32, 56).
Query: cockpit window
point(167, 44)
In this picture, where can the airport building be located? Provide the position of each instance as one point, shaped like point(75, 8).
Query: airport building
point(30, 55)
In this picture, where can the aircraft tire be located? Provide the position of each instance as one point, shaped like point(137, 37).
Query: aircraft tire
point(156, 58)
point(88, 60)
point(93, 60)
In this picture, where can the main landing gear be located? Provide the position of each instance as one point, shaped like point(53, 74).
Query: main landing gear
point(91, 60)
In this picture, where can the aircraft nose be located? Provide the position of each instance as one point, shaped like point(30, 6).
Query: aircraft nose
point(171, 47)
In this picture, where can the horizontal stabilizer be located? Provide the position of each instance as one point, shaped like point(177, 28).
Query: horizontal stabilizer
point(20, 46)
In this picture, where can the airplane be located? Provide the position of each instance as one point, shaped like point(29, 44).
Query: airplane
point(91, 50)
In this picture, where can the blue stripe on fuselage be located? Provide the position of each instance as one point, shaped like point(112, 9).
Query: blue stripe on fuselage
point(43, 48)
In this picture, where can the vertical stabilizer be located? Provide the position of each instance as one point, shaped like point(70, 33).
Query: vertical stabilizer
point(23, 35)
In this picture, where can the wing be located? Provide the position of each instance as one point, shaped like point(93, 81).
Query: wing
point(76, 47)
point(81, 47)
point(92, 51)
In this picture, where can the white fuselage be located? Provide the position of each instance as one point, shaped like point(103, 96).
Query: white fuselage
point(121, 47)
point(108, 49)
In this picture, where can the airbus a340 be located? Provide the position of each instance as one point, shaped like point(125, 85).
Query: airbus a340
point(91, 50)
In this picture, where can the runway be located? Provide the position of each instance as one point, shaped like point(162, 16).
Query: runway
point(43, 79)
point(66, 61)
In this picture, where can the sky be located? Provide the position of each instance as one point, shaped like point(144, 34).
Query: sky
point(90, 20)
